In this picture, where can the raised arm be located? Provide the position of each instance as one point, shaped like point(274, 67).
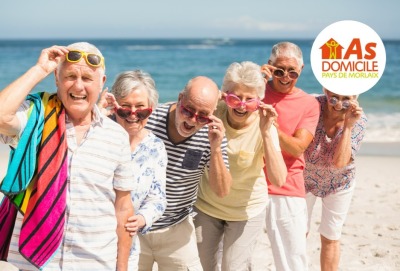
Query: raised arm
point(220, 179)
point(274, 163)
point(14, 94)
point(342, 155)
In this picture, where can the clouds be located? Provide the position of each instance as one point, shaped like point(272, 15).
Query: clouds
point(190, 19)
point(246, 22)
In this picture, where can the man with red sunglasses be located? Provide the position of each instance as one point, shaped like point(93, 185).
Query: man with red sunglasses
point(298, 114)
point(73, 198)
point(195, 141)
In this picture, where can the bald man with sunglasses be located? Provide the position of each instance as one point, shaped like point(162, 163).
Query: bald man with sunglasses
point(195, 142)
point(76, 200)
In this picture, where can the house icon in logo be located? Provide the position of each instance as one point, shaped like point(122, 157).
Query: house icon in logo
point(331, 50)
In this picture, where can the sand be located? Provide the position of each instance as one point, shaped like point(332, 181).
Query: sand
point(371, 234)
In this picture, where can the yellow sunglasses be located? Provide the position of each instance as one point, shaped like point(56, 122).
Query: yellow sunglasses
point(93, 60)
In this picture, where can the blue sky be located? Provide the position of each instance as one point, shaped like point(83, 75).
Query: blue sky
point(191, 19)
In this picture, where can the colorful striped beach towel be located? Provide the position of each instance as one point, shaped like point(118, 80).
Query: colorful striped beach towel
point(36, 183)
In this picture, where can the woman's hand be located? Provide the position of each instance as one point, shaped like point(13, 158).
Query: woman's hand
point(268, 116)
point(353, 114)
point(107, 103)
point(135, 223)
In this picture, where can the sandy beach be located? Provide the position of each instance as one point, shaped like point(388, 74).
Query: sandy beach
point(371, 234)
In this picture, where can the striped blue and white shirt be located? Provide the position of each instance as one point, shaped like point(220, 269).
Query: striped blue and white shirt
point(187, 161)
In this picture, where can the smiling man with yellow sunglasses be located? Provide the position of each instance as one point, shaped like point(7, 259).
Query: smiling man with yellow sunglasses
point(83, 157)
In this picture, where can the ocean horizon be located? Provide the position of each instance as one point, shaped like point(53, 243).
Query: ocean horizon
point(172, 62)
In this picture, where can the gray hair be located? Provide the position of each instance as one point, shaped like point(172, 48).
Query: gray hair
point(286, 49)
point(86, 47)
point(129, 81)
point(246, 74)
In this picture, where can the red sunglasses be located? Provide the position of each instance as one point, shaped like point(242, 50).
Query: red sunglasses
point(141, 114)
point(190, 114)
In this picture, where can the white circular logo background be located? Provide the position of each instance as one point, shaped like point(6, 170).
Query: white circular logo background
point(348, 58)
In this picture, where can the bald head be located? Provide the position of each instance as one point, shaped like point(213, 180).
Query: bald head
point(202, 89)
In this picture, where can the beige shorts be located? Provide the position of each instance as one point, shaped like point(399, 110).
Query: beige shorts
point(173, 248)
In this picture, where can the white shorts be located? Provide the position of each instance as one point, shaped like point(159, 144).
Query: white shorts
point(334, 211)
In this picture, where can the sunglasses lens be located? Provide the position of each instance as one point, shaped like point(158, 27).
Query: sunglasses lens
point(203, 120)
point(233, 101)
point(186, 112)
point(279, 73)
point(123, 112)
point(74, 56)
point(346, 104)
point(143, 114)
point(293, 75)
point(252, 105)
point(189, 114)
point(333, 101)
point(94, 60)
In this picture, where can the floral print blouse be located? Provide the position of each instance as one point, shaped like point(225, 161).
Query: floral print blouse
point(150, 163)
point(321, 177)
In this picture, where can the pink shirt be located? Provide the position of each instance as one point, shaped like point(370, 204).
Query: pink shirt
point(298, 110)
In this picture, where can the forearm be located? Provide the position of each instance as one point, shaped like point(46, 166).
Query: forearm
point(14, 95)
point(295, 144)
point(342, 155)
point(123, 210)
point(274, 163)
point(220, 179)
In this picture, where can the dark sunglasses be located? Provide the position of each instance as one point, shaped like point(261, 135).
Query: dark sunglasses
point(235, 102)
point(190, 114)
point(141, 114)
point(281, 73)
point(93, 60)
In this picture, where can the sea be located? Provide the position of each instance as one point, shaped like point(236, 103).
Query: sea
point(172, 62)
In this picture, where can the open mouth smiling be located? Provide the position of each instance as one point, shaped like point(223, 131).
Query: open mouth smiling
point(77, 97)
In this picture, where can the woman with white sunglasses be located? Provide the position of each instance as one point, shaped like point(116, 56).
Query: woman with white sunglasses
point(330, 168)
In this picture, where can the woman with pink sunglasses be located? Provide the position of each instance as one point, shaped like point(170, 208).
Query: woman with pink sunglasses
point(132, 100)
point(237, 219)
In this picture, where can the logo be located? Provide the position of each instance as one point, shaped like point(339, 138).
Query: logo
point(348, 58)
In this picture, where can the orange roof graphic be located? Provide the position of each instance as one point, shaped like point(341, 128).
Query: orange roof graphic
point(331, 50)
